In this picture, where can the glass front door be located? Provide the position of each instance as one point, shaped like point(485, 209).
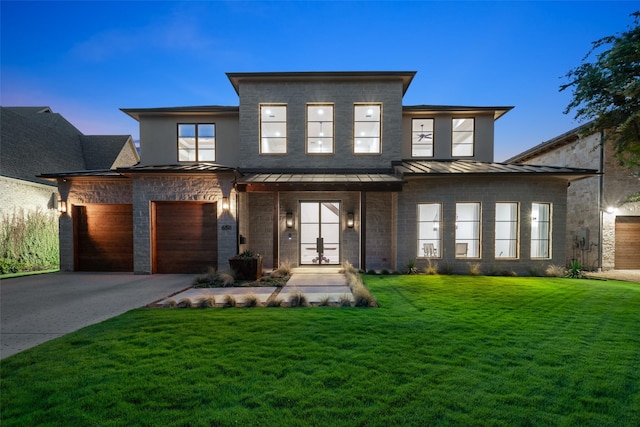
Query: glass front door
point(319, 233)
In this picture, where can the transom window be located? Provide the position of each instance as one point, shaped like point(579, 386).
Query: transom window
point(197, 142)
point(467, 230)
point(273, 129)
point(429, 230)
point(320, 128)
point(422, 138)
point(462, 137)
point(541, 230)
point(366, 128)
point(506, 230)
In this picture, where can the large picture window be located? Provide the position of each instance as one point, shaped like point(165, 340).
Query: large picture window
point(273, 129)
point(541, 230)
point(366, 128)
point(506, 230)
point(197, 142)
point(319, 128)
point(467, 243)
point(429, 230)
point(462, 137)
point(422, 138)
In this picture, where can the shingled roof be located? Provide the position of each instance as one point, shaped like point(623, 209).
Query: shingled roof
point(35, 140)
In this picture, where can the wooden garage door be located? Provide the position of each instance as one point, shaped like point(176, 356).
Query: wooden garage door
point(627, 242)
point(185, 237)
point(103, 237)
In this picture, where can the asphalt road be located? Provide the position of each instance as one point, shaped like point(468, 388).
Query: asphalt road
point(35, 309)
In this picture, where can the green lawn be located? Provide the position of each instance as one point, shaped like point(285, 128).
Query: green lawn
point(441, 350)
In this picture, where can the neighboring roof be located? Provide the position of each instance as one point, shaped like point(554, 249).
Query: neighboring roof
point(408, 168)
point(405, 76)
point(202, 109)
point(35, 140)
point(550, 145)
point(282, 181)
point(497, 111)
point(183, 168)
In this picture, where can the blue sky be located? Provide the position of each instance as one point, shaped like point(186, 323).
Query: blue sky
point(88, 59)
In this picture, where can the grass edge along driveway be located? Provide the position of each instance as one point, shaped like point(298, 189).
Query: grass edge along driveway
point(441, 350)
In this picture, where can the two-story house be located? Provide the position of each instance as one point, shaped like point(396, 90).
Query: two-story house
point(316, 168)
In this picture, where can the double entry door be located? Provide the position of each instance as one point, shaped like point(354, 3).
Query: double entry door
point(319, 233)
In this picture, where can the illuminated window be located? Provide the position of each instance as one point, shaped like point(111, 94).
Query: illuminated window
point(467, 230)
point(429, 230)
point(319, 128)
point(366, 128)
point(462, 137)
point(506, 230)
point(541, 230)
point(273, 129)
point(197, 142)
point(422, 138)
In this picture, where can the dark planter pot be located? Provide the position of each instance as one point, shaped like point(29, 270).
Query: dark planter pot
point(246, 268)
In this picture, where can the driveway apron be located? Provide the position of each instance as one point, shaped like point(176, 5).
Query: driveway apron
point(35, 309)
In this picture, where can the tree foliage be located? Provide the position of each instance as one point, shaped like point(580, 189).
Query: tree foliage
point(607, 92)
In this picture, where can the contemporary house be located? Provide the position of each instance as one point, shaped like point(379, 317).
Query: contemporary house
point(316, 168)
point(603, 221)
point(36, 140)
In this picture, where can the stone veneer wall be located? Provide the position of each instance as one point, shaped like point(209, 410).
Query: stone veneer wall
point(17, 195)
point(82, 192)
point(257, 220)
point(380, 242)
point(487, 191)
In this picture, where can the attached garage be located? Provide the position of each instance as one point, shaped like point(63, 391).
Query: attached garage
point(627, 242)
point(185, 237)
point(103, 237)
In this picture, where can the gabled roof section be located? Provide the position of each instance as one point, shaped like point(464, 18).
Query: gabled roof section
point(405, 76)
point(434, 109)
point(550, 145)
point(425, 168)
point(101, 151)
point(136, 113)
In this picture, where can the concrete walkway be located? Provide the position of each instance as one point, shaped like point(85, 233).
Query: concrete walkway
point(316, 283)
point(38, 308)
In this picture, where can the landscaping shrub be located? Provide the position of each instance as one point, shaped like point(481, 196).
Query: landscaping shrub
point(575, 270)
point(208, 301)
point(251, 300)
point(214, 279)
point(298, 299)
point(229, 301)
point(555, 271)
point(475, 268)
point(29, 241)
point(185, 303)
point(411, 267)
point(274, 302)
point(431, 268)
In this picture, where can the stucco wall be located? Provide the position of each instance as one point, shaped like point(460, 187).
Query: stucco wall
point(487, 191)
point(297, 95)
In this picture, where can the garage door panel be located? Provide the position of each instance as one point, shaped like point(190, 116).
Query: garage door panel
point(627, 255)
point(104, 237)
point(185, 237)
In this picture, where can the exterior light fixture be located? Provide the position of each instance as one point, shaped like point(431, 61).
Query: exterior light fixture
point(289, 220)
point(225, 203)
point(612, 209)
point(350, 220)
point(62, 206)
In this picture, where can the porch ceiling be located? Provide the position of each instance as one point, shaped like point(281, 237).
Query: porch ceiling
point(320, 182)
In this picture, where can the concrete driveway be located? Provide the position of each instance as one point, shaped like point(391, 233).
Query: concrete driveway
point(35, 309)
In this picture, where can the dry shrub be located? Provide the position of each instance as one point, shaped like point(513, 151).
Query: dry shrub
point(555, 271)
point(170, 303)
point(208, 301)
point(228, 301)
point(361, 293)
point(275, 302)
point(282, 271)
point(345, 301)
point(475, 268)
point(185, 303)
point(298, 299)
point(431, 268)
point(325, 301)
point(251, 300)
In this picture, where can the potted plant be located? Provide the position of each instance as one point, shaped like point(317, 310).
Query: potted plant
point(246, 265)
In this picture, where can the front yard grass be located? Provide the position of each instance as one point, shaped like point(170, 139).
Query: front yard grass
point(440, 350)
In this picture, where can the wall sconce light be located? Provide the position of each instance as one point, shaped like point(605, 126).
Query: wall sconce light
point(225, 203)
point(62, 206)
point(612, 209)
point(349, 220)
point(289, 220)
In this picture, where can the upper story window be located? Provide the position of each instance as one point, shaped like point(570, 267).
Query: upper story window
point(462, 137)
point(273, 129)
point(320, 128)
point(422, 138)
point(197, 142)
point(366, 128)
point(541, 230)
point(506, 243)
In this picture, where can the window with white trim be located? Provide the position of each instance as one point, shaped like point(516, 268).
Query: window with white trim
point(506, 243)
point(541, 230)
point(429, 230)
point(273, 129)
point(196, 142)
point(467, 241)
point(462, 137)
point(422, 137)
point(319, 128)
point(366, 128)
